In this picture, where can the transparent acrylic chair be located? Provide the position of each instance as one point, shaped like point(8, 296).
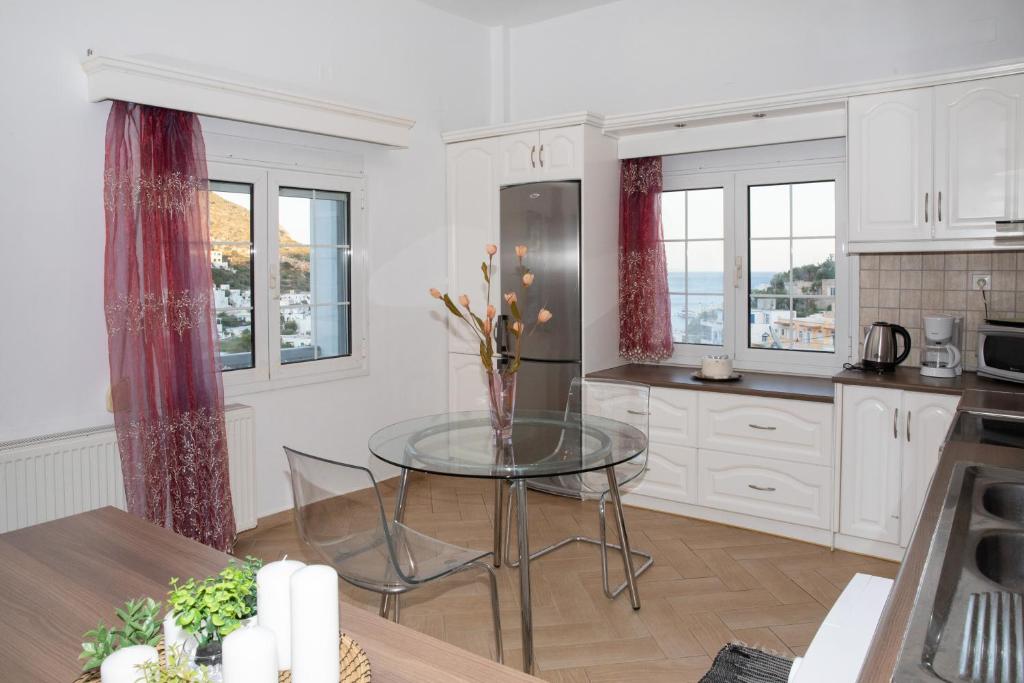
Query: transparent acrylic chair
point(627, 402)
point(352, 533)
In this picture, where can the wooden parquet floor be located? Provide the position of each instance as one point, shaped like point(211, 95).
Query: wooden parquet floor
point(710, 585)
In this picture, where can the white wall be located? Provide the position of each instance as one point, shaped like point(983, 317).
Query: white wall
point(641, 55)
point(392, 55)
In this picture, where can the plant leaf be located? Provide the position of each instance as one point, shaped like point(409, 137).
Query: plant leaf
point(487, 276)
point(514, 307)
point(451, 307)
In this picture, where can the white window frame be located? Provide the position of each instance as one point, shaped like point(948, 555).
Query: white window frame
point(269, 373)
point(735, 182)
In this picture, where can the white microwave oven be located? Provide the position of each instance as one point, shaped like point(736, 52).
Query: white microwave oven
point(1001, 352)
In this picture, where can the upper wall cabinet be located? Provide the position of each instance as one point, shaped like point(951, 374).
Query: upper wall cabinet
point(890, 156)
point(936, 168)
point(545, 155)
point(978, 155)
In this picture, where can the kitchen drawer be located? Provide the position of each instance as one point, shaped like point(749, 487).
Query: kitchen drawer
point(764, 487)
point(800, 431)
point(674, 417)
point(671, 474)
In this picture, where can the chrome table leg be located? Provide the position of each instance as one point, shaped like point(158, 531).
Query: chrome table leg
point(403, 489)
point(499, 487)
point(524, 575)
point(627, 553)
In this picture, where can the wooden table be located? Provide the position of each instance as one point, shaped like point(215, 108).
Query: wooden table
point(57, 580)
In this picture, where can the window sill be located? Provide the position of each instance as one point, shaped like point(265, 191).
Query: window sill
point(258, 386)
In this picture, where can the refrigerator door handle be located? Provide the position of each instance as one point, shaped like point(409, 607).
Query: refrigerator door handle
point(501, 334)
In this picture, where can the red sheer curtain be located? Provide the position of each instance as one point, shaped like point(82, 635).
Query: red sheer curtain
point(166, 385)
point(645, 324)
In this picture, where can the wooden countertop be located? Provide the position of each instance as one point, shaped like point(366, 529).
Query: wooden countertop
point(911, 379)
point(58, 579)
point(797, 387)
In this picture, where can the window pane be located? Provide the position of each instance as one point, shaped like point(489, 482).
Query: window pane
point(705, 214)
point(769, 211)
point(330, 325)
point(705, 319)
point(769, 266)
point(314, 216)
point(814, 267)
point(330, 275)
point(810, 326)
point(294, 273)
point(675, 259)
point(296, 333)
point(678, 305)
point(234, 331)
point(231, 249)
point(705, 267)
point(673, 215)
point(814, 209)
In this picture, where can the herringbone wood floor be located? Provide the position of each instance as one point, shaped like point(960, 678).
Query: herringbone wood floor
point(710, 585)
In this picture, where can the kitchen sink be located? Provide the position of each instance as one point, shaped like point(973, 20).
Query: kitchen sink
point(967, 623)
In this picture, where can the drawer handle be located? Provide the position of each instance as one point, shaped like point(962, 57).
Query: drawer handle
point(767, 429)
point(638, 412)
point(761, 488)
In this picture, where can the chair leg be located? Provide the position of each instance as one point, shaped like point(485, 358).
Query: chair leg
point(498, 492)
point(496, 614)
point(627, 556)
point(398, 607)
point(508, 530)
point(385, 604)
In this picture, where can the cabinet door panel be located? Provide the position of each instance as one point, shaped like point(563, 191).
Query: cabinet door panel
point(977, 164)
point(673, 417)
point(671, 474)
point(871, 471)
point(472, 224)
point(785, 491)
point(519, 158)
point(560, 155)
point(928, 417)
point(890, 162)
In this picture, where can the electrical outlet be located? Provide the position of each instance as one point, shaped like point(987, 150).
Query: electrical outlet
point(981, 281)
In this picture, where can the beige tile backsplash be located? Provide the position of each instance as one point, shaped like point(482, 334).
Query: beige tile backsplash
point(900, 288)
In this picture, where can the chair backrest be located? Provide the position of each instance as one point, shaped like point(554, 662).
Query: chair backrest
point(328, 511)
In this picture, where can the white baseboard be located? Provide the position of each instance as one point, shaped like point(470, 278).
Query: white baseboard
point(864, 546)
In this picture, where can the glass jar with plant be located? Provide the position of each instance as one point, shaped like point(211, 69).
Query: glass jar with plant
point(175, 669)
point(501, 368)
point(140, 625)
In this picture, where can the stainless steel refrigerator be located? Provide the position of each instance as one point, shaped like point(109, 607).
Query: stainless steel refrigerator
point(546, 218)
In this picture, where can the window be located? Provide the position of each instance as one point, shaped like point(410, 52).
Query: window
point(693, 225)
point(231, 253)
point(290, 300)
point(751, 250)
point(792, 272)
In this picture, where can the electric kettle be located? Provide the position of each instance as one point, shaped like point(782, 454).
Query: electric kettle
point(880, 346)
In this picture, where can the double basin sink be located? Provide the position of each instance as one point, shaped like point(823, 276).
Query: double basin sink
point(968, 618)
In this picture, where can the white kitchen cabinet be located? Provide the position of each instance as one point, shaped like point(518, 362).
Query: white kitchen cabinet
point(672, 456)
point(542, 155)
point(979, 133)
point(890, 447)
point(473, 219)
point(871, 470)
point(928, 417)
point(467, 387)
point(674, 416)
point(765, 487)
point(777, 428)
point(890, 166)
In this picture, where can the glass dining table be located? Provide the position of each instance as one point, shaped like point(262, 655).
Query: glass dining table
point(543, 444)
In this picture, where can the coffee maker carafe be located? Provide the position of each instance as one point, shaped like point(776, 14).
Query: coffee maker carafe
point(940, 354)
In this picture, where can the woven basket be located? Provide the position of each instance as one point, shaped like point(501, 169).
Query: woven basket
point(355, 665)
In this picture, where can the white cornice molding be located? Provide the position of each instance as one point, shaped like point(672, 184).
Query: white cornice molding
point(624, 124)
point(575, 119)
point(135, 80)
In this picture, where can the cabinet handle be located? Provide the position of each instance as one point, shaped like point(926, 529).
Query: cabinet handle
point(533, 163)
point(638, 412)
point(541, 156)
point(895, 418)
point(909, 414)
point(761, 488)
point(940, 206)
point(767, 429)
point(925, 207)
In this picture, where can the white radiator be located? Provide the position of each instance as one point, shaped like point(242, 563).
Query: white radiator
point(48, 477)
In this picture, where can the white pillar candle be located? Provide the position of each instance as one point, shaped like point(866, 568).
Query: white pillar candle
point(315, 637)
point(273, 605)
point(250, 656)
point(122, 666)
point(174, 635)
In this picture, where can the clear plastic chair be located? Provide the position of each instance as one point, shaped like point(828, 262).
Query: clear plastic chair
point(627, 402)
point(352, 533)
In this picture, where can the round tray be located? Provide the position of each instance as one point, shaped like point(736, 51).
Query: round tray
point(731, 378)
point(355, 665)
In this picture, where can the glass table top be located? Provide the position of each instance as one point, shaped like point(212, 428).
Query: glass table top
point(544, 443)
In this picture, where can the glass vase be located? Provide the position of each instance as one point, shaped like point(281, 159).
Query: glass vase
point(209, 657)
point(501, 391)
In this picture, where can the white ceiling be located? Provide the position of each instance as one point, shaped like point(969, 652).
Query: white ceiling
point(513, 12)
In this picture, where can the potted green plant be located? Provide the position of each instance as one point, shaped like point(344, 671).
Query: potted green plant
point(140, 625)
point(175, 669)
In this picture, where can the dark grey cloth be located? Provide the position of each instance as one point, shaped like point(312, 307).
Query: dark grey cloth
point(738, 664)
